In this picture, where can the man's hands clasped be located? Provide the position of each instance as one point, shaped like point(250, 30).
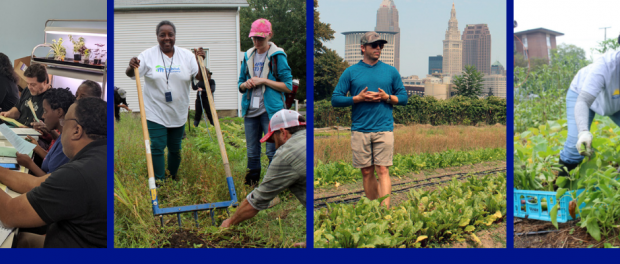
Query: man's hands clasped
point(368, 96)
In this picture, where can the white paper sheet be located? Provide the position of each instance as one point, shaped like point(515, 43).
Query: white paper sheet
point(19, 143)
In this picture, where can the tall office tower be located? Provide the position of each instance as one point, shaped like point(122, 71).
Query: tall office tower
point(434, 64)
point(452, 47)
point(387, 20)
point(477, 47)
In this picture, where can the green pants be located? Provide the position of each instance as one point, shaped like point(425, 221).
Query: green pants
point(161, 137)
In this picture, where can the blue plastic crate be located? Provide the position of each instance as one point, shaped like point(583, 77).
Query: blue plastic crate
point(535, 210)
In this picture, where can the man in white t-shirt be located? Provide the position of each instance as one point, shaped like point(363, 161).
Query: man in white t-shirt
point(167, 71)
point(594, 90)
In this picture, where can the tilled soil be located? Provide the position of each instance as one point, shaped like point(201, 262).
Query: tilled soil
point(569, 235)
point(490, 238)
point(185, 238)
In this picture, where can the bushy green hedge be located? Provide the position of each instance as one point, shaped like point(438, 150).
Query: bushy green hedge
point(457, 110)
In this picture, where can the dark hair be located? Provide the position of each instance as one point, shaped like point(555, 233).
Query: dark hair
point(38, 71)
point(165, 22)
point(91, 113)
point(94, 89)
point(6, 69)
point(59, 98)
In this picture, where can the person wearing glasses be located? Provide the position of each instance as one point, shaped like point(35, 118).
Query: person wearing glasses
point(72, 200)
point(376, 87)
point(167, 71)
point(264, 79)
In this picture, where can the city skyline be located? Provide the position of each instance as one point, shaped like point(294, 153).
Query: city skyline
point(422, 26)
point(387, 20)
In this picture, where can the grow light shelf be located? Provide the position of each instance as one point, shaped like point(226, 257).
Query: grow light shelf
point(69, 62)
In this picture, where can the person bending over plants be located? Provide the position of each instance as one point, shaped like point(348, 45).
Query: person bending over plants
point(287, 130)
point(594, 90)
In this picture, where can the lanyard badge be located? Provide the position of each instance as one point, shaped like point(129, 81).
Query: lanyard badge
point(168, 93)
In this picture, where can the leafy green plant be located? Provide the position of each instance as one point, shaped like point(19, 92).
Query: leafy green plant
point(446, 214)
point(326, 174)
point(58, 49)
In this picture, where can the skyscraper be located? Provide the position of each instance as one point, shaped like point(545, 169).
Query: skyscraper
point(452, 47)
point(477, 47)
point(387, 20)
point(435, 64)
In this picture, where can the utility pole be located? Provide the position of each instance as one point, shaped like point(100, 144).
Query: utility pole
point(605, 28)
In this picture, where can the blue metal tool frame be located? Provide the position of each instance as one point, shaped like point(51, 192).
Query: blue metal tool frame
point(157, 211)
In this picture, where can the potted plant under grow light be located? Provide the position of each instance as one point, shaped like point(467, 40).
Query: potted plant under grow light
point(78, 48)
point(86, 55)
point(97, 59)
point(59, 50)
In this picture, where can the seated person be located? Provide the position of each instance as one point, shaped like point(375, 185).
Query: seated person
point(9, 94)
point(88, 88)
point(38, 84)
point(56, 102)
point(72, 199)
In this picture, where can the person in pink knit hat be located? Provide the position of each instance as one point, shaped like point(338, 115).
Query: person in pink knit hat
point(264, 79)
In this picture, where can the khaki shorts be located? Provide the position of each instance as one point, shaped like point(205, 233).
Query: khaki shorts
point(373, 148)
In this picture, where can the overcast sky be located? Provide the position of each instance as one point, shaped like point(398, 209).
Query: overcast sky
point(579, 20)
point(422, 24)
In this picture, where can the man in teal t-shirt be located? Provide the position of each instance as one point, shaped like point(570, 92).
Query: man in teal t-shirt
point(377, 87)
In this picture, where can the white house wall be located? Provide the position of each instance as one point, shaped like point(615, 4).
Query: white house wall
point(135, 31)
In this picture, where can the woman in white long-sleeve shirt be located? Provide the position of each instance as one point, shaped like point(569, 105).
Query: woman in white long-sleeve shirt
point(594, 90)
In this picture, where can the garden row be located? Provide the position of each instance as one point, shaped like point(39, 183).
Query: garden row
point(427, 219)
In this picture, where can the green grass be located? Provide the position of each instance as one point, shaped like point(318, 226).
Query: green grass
point(201, 180)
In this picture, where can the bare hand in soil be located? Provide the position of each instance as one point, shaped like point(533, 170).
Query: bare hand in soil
point(226, 223)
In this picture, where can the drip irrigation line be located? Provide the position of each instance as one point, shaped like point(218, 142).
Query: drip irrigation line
point(537, 233)
point(355, 199)
point(414, 181)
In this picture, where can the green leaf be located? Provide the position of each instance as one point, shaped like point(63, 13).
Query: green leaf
point(594, 229)
point(554, 215)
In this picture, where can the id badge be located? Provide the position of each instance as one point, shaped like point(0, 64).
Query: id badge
point(255, 102)
point(168, 96)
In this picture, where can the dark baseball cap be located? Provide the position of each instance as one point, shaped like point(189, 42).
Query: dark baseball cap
point(371, 37)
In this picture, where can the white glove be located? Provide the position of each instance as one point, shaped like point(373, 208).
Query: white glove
point(585, 137)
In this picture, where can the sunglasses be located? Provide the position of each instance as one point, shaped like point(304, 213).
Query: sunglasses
point(375, 45)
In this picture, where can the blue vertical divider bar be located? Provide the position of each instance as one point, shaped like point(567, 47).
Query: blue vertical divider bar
point(509, 124)
point(110, 97)
point(310, 124)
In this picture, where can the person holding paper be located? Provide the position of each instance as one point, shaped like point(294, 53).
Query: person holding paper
point(167, 71)
point(73, 199)
point(38, 84)
point(56, 103)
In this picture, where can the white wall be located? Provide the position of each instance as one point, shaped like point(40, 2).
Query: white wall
point(214, 29)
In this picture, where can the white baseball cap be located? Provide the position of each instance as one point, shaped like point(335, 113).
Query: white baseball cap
point(282, 119)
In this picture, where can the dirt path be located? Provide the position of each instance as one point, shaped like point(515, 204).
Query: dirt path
point(494, 237)
point(569, 235)
point(398, 198)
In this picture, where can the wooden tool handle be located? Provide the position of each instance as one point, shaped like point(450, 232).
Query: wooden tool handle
point(216, 121)
point(145, 132)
